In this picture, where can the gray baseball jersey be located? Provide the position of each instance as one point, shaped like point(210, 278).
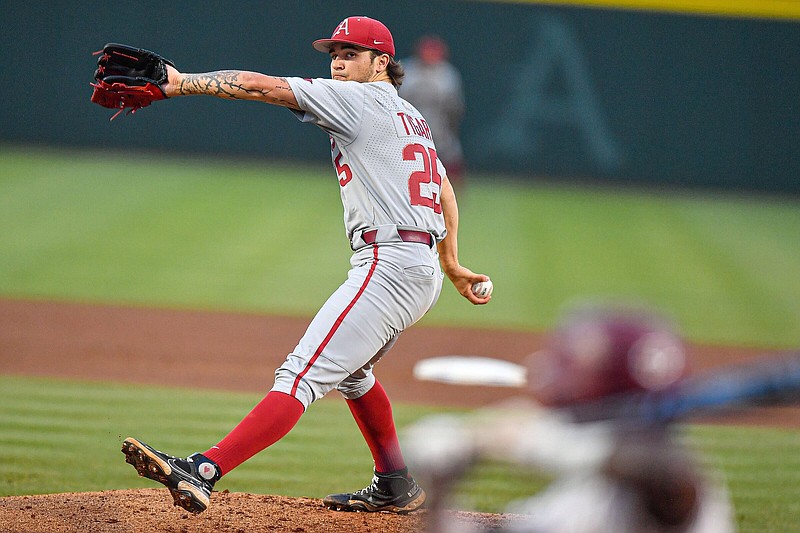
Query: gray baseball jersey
point(390, 181)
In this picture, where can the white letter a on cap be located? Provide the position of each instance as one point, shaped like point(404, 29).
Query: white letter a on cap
point(343, 26)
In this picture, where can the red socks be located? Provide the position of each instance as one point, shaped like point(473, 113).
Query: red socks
point(266, 424)
point(277, 414)
point(373, 414)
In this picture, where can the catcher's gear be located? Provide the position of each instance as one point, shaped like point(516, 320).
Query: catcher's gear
point(128, 78)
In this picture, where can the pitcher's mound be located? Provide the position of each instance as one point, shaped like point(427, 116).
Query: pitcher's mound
point(151, 510)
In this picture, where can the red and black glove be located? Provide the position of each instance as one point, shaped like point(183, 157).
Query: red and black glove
point(128, 78)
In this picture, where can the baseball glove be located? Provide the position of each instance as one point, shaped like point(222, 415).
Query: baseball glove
point(128, 78)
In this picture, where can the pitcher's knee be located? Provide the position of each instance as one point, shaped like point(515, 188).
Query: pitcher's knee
point(288, 383)
point(352, 388)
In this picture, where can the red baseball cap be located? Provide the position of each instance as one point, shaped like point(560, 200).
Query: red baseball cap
point(360, 31)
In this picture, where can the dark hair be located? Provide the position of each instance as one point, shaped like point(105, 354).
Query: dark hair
point(394, 69)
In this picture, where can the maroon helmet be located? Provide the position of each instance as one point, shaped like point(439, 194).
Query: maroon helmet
point(597, 352)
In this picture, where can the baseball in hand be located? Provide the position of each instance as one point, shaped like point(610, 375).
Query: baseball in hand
point(482, 289)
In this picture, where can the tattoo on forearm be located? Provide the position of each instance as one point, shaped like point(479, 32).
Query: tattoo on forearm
point(283, 86)
point(226, 84)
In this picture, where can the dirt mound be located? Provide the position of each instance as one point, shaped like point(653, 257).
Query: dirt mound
point(151, 510)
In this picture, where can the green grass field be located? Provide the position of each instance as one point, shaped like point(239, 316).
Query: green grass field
point(254, 237)
point(47, 424)
point(248, 236)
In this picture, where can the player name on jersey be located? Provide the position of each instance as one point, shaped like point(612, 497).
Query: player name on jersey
point(407, 125)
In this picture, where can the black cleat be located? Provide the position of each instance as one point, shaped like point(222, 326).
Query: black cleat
point(395, 492)
point(190, 480)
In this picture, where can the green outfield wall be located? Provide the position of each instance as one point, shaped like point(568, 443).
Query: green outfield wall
point(633, 91)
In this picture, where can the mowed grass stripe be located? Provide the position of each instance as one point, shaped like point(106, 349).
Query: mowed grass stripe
point(241, 236)
point(750, 244)
point(682, 252)
point(762, 469)
point(211, 229)
point(325, 453)
point(93, 418)
point(33, 442)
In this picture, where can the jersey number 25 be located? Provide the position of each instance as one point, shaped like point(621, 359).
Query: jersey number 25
point(420, 181)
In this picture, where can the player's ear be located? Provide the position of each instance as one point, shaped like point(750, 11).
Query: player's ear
point(382, 62)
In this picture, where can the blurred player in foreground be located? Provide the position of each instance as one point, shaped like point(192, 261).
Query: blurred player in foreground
point(612, 473)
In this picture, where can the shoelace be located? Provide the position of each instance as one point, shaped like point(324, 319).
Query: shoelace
point(372, 487)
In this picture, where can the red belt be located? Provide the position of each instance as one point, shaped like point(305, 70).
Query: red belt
point(406, 235)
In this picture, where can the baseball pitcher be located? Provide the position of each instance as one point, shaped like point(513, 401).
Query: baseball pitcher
point(401, 220)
